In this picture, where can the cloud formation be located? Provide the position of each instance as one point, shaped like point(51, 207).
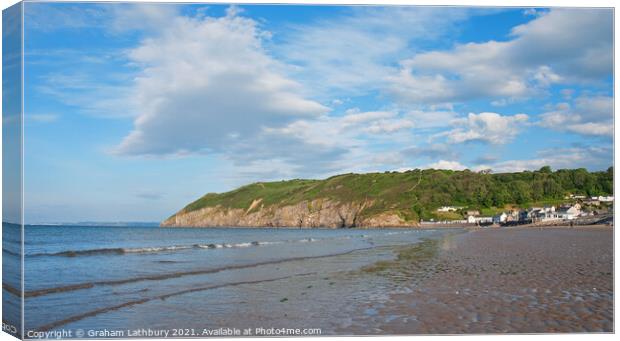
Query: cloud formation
point(206, 82)
point(355, 52)
point(560, 46)
point(558, 158)
point(486, 127)
point(222, 86)
point(445, 164)
point(353, 142)
point(589, 115)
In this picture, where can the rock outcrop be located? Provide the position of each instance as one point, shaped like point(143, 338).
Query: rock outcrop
point(305, 214)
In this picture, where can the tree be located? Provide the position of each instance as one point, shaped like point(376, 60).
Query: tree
point(521, 192)
point(545, 169)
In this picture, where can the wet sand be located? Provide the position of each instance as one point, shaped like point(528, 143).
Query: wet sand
point(516, 280)
point(513, 280)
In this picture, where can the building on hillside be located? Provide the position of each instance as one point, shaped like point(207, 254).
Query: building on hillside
point(448, 209)
point(592, 202)
point(576, 206)
point(474, 213)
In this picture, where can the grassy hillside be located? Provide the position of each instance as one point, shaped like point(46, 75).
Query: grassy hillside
point(417, 194)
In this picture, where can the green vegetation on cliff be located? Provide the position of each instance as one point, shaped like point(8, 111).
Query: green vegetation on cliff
point(416, 194)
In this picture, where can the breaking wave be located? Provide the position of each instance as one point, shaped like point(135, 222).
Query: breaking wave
point(157, 249)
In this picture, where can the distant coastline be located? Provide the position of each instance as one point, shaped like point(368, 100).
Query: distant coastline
point(100, 223)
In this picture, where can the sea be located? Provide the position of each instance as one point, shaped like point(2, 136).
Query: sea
point(107, 281)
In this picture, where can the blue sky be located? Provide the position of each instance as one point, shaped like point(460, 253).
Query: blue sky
point(134, 110)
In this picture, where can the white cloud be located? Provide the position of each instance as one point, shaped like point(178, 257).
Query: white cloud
point(470, 71)
point(558, 158)
point(591, 115)
point(113, 17)
point(373, 122)
point(354, 116)
point(591, 128)
point(595, 107)
point(561, 46)
point(532, 12)
point(590, 157)
point(486, 127)
point(388, 126)
point(353, 53)
point(388, 158)
point(197, 92)
point(53, 16)
point(545, 76)
point(423, 119)
point(90, 91)
point(357, 141)
point(444, 164)
point(205, 83)
point(145, 16)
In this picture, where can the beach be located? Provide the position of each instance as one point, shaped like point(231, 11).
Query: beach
point(128, 278)
point(519, 280)
point(341, 282)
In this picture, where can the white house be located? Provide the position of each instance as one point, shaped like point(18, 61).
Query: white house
point(542, 214)
point(448, 209)
point(568, 212)
point(479, 220)
point(549, 216)
point(500, 218)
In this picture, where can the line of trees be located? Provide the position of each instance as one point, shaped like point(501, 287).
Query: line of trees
point(484, 189)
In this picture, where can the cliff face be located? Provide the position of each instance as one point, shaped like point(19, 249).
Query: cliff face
point(305, 214)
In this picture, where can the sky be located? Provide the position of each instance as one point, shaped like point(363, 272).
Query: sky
point(131, 111)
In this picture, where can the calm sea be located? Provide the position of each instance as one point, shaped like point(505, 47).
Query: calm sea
point(99, 277)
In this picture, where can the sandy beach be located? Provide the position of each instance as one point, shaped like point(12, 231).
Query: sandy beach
point(345, 282)
point(519, 280)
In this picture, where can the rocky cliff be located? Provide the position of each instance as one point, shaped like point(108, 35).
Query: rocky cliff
point(305, 214)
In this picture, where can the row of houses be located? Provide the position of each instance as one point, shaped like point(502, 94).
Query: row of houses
point(540, 214)
point(479, 220)
point(533, 214)
point(595, 200)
